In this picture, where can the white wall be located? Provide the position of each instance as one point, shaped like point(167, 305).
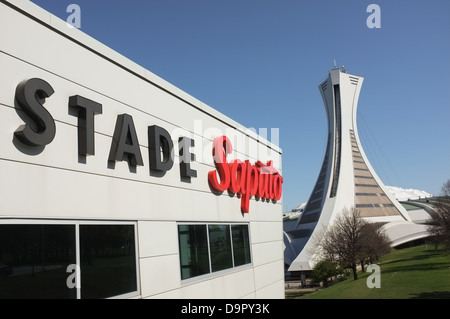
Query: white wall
point(54, 182)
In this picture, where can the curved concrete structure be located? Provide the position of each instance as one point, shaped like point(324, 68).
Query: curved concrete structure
point(401, 232)
point(346, 178)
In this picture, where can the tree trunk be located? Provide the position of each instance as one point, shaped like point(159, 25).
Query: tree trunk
point(355, 273)
point(362, 265)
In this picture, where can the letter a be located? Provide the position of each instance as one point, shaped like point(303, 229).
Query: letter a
point(374, 20)
point(73, 280)
point(374, 280)
point(75, 18)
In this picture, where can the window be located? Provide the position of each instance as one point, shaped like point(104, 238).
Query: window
point(241, 245)
point(108, 260)
point(194, 256)
point(34, 260)
point(209, 248)
point(220, 246)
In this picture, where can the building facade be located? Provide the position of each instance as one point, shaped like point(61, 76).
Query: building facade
point(113, 181)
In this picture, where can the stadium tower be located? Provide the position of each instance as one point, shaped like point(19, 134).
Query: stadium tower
point(346, 178)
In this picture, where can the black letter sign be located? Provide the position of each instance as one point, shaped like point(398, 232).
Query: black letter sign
point(27, 94)
point(186, 157)
point(125, 141)
point(86, 111)
point(159, 139)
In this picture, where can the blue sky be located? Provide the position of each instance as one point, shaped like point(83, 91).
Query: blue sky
point(260, 62)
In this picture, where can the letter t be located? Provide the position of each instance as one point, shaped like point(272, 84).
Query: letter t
point(86, 111)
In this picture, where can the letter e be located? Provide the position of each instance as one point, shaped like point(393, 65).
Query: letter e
point(186, 157)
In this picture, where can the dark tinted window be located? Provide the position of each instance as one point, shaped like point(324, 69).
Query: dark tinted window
point(193, 242)
point(241, 244)
point(224, 246)
point(220, 246)
point(34, 260)
point(108, 260)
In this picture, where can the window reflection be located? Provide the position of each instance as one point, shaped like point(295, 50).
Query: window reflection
point(108, 260)
point(209, 248)
point(220, 245)
point(241, 244)
point(34, 259)
point(194, 260)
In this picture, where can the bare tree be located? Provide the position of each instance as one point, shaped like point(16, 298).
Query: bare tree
point(446, 188)
point(351, 240)
point(375, 244)
point(343, 240)
point(439, 226)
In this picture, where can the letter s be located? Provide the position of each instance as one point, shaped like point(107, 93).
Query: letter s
point(221, 148)
point(27, 94)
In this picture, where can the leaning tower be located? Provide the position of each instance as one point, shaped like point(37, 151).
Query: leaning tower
point(346, 178)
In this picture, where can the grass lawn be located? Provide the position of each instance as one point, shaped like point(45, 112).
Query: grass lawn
point(412, 273)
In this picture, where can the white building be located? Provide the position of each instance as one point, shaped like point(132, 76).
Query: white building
point(108, 183)
point(346, 180)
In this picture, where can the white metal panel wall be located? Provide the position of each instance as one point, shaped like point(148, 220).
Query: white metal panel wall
point(55, 182)
point(84, 73)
